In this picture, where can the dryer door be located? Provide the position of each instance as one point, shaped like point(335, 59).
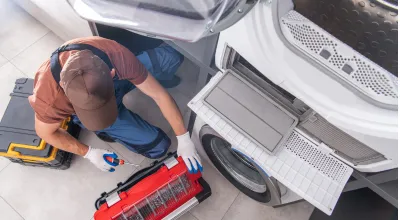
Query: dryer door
point(239, 169)
point(245, 118)
point(187, 20)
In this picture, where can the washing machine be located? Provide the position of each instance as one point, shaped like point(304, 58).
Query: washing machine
point(240, 170)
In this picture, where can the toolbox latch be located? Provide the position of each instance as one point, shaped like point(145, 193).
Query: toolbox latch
point(171, 162)
point(112, 199)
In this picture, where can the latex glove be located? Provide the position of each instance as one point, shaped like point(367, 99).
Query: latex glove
point(188, 153)
point(97, 157)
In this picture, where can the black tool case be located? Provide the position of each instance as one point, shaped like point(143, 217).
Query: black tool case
point(18, 139)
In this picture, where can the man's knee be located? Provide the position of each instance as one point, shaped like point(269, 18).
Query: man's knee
point(154, 148)
point(160, 149)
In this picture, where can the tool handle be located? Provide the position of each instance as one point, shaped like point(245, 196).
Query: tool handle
point(115, 161)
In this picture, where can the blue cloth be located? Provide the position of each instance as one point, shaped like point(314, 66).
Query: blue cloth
point(168, 60)
point(130, 129)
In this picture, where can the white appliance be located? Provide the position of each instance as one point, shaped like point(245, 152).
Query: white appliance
point(179, 20)
point(294, 109)
point(373, 125)
point(239, 170)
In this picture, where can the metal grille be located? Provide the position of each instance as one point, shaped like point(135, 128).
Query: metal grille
point(345, 145)
point(157, 203)
point(307, 151)
point(295, 17)
point(345, 62)
point(367, 26)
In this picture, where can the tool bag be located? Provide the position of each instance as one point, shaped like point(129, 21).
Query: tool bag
point(164, 190)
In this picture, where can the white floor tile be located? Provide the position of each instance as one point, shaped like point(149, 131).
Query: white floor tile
point(7, 212)
point(223, 195)
point(3, 60)
point(19, 31)
point(8, 74)
point(4, 163)
point(246, 208)
point(41, 193)
point(187, 216)
point(30, 59)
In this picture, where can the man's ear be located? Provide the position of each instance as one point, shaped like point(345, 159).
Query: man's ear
point(112, 72)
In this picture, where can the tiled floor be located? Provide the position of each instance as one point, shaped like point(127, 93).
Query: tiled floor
point(36, 193)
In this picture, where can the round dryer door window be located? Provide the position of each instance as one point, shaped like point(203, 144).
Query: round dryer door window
point(235, 167)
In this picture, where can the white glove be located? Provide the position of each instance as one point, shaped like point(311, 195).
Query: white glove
point(188, 153)
point(97, 157)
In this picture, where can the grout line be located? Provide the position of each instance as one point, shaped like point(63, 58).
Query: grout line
point(49, 31)
point(12, 207)
point(12, 59)
point(5, 63)
point(4, 57)
point(230, 205)
point(22, 72)
point(188, 212)
point(7, 60)
point(5, 166)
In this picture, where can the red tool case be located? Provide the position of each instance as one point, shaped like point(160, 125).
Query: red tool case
point(165, 190)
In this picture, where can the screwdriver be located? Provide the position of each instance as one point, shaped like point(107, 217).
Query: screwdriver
point(119, 161)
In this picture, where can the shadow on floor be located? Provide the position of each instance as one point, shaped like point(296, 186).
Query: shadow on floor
point(359, 204)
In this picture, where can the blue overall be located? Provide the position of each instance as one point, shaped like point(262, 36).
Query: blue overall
point(130, 129)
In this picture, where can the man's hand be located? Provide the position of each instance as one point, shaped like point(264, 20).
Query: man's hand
point(187, 151)
point(97, 157)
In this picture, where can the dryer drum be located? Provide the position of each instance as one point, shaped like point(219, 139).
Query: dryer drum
point(235, 168)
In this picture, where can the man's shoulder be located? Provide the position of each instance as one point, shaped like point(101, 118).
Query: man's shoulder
point(48, 100)
point(44, 83)
point(43, 72)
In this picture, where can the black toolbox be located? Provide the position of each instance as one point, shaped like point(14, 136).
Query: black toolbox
point(18, 139)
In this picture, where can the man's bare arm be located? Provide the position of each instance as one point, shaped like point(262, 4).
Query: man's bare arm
point(54, 135)
point(165, 102)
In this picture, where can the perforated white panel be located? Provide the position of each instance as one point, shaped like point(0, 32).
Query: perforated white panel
point(301, 165)
point(361, 73)
point(307, 151)
point(295, 16)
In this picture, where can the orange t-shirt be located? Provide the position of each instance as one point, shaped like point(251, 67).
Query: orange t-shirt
point(49, 101)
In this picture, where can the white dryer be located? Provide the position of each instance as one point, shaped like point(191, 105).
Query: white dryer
point(300, 99)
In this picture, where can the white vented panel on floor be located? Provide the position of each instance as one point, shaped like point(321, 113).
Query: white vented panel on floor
point(359, 72)
point(302, 166)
